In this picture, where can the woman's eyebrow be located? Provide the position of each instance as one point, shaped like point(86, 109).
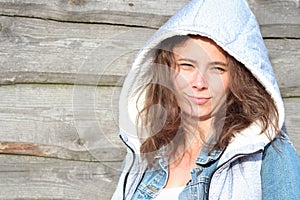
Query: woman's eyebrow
point(218, 63)
point(187, 60)
point(195, 62)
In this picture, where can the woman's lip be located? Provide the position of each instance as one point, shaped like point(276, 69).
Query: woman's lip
point(199, 100)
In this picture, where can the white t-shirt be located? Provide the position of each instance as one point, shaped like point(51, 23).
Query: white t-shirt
point(169, 193)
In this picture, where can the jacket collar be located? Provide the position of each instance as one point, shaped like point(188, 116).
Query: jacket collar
point(246, 142)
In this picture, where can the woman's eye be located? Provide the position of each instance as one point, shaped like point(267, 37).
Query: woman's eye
point(218, 69)
point(186, 66)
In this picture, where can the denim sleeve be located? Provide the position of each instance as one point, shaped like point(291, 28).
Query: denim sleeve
point(280, 171)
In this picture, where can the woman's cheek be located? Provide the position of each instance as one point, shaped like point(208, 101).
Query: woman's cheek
point(219, 85)
point(181, 82)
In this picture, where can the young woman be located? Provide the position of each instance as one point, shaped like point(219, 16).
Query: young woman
point(207, 113)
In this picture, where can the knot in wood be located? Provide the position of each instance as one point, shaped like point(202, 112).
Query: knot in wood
point(80, 141)
point(76, 2)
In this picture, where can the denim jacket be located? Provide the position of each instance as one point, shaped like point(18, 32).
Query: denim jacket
point(278, 176)
point(155, 178)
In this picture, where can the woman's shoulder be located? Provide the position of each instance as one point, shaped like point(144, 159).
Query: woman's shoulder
point(280, 170)
point(281, 150)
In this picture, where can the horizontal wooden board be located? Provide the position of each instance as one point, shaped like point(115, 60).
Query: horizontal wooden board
point(292, 110)
point(277, 18)
point(75, 122)
point(137, 12)
point(27, 177)
point(284, 56)
point(37, 51)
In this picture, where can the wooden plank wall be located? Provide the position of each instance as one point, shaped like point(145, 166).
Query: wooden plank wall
point(62, 63)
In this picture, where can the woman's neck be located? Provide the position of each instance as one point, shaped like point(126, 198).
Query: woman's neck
point(198, 131)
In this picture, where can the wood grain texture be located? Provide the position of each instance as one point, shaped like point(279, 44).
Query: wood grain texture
point(292, 120)
point(37, 51)
point(63, 127)
point(277, 18)
point(27, 177)
point(285, 57)
point(138, 13)
point(111, 154)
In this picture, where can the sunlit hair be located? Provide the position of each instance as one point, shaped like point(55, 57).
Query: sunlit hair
point(247, 102)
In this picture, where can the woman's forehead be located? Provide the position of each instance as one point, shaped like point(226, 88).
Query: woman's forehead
point(199, 49)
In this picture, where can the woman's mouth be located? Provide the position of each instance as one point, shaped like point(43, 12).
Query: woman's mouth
point(199, 100)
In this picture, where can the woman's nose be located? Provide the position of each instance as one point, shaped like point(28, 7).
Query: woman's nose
point(199, 81)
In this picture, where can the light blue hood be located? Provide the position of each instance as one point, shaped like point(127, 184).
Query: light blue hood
point(231, 24)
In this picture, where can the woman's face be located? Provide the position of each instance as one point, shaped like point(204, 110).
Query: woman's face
point(202, 78)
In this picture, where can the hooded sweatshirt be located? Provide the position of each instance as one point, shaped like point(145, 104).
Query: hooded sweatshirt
point(233, 27)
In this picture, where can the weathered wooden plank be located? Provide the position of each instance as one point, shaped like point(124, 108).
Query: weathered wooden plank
point(277, 18)
point(285, 58)
point(136, 12)
point(63, 125)
point(50, 52)
point(37, 51)
point(51, 151)
point(27, 177)
point(292, 109)
point(143, 13)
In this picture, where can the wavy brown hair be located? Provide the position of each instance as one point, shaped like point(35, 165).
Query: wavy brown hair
point(247, 102)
